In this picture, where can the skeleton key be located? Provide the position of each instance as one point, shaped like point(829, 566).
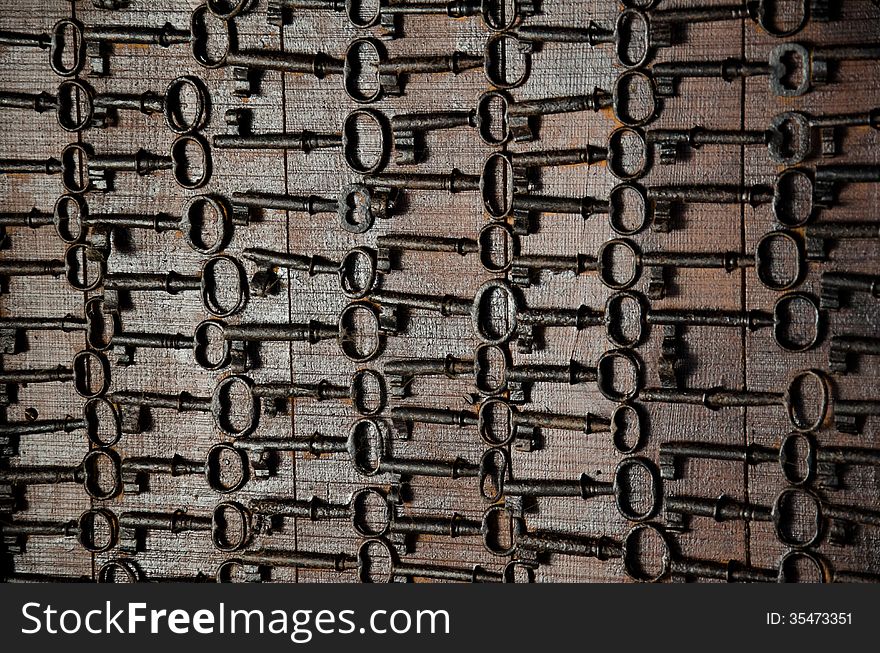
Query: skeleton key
point(791, 570)
point(96, 530)
point(671, 142)
point(263, 452)
point(845, 349)
point(229, 525)
point(83, 266)
point(378, 562)
point(357, 206)
point(409, 129)
point(792, 399)
point(212, 293)
point(126, 570)
point(12, 328)
point(513, 426)
point(97, 468)
point(496, 14)
point(207, 222)
point(366, 392)
point(369, 453)
point(500, 118)
point(70, 36)
point(794, 133)
point(245, 62)
point(626, 253)
point(389, 73)
point(496, 484)
point(819, 236)
point(136, 472)
point(812, 65)
point(838, 286)
point(519, 540)
point(257, 566)
point(801, 460)
point(356, 271)
point(79, 107)
point(132, 404)
point(124, 343)
point(800, 517)
point(100, 170)
point(33, 219)
point(89, 373)
point(665, 562)
point(348, 140)
point(663, 199)
point(99, 420)
point(234, 339)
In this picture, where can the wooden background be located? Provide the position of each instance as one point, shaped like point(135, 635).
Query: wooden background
point(716, 357)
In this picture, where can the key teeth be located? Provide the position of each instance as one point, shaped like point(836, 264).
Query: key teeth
point(402, 428)
point(676, 522)
point(828, 476)
point(841, 532)
point(520, 128)
point(246, 82)
point(662, 221)
point(849, 424)
point(99, 58)
point(520, 276)
point(526, 438)
point(407, 151)
point(838, 361)
point(829, 298)
point(276, 13)
point(823, 11)
point(669, 467)
point(668, 153)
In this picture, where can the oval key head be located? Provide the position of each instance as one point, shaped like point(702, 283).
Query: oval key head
point(500, 15)
point(791, 138)
point(371, 512)
point(497, 247)
point(615, 253)
point(497, 187)
point(120, 571)
point(363, 13)
point(495, 311)
point(231, 526)
point(358, 207)
point(797, 458)
point(91, 373)
point(793, 19)
point(98, 530)
point(202, 213)
point(376, 559)
point(798, 566)
point(70, 215)
point(507, 60)
point(227, 468)
point(84, 267)
point(360, 335)
point(632, 38)
point(67, 52)
point(629, 211)
point(496, 422)
point(490, 368)
point(500, 529)
point(186, 104)
point(97, 465)
point(205, 344)
point(75, 105)
point(492, 123)
point(103, 422)
point(75, 167)
point(369, 393)
point(629, 156)
point(626, 419)
point(772, 256)
point(234, 407)
point(790, 70)
point(361, 78)
point(358, 272)
point(367, 446)
point(366, 141)
point(797, 329)
point(641, 542)
point(630, 474)
point(619, 375)
point(204, 50)
point(191, 161)
point(797, 517)
point(494, 468)
point(625, 318)
point(793, 201)
point(634, 98)
point(224, 285)
point(797, 398)
point(226, 9)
